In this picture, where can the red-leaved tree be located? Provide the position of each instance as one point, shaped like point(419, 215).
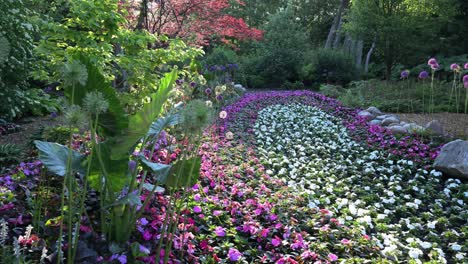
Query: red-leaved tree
point(196, 21)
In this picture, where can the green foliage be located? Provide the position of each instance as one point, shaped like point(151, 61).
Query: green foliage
point(333, 91)
point(220, 55)
point(15, 103)
point(55, 157)
point(401, 96)
point(280, 56)
point(58, 134)
point(98, 30)
point(9, 154)
point(327, 65)
point(297, 85)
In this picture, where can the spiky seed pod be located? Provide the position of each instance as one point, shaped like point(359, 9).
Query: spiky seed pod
point(74, 73)
point(94, 103)
point(196, 116)
point(75, 117)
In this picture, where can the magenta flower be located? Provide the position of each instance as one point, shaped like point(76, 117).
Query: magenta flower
point(435, 66)
point(432, 61)
point(197, 209)
point(234, 254)
point(276, 241)
point(220, 231)
point(423, 75)
point(455, 67)
point(332, 257)
point(465, 81)
point(466, 66)
point(404, 74)
point(217, 212)
point(345, 241)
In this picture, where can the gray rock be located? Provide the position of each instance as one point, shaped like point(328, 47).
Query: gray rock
point(453, 159)
point(390, 120)
point(413, 128)
point(374, 110)
point(367, 115)
point(398, 129)
point(435, 127)
point(375, 122)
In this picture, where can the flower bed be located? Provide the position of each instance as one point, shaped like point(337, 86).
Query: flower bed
point(291, 176)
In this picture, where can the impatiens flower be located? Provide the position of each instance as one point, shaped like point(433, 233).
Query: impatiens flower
point(404, 74)
point(234, 254)
point(332, 257)
point(455, 67)
point(197, 209)
point(217, 212)
point(222, 114)
point(345, 241)
point(220, 231)
point(276, 241)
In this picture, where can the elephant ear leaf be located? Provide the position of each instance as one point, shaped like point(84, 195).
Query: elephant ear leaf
point(162, 171)
point(55, 157)
point(185, 173)
point(140, 123)
point(115, 119)
point(158, 126)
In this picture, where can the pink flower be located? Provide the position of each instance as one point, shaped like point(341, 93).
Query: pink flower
point(466, 66)
point(197, 209)
point(217, 212)
point(276, 241)
point(432, 61)
point(234, 254)
point(332, 257)
point(455, 67)
point(220, 231)
point(366, 237)
point(345, 241)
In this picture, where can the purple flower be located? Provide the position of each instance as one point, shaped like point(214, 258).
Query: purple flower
point(423, 75)
point(193, 84)
point(217, 212)
point(208, 91)
point(144, 249)
point(466, 66)
point(220, 231)
point(179, 81)
point(465, 78)
point(197, 209)
point(435, 66)
point(332, 257)
point(53, 114)
point(455, 67)
point(143, 221)
point(234, 254)
point(131, 165)
point(219, 97)
point(404, 74)
point(276, 241)
point(432, 61)
point(123, 259)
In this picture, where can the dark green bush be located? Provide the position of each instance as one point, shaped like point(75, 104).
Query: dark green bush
point(329, 66)
point(9, 154)
point(333, 91)
point(297, 85)
point(59, 134)
point(220, 55)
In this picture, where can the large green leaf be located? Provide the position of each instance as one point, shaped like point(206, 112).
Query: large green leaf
point(115, 171)
point(115, 119)
point(158, 126)
point(140, 123)
point(185, 173)
point(161, 170)
point(55, 157)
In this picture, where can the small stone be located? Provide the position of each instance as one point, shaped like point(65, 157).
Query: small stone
point(398, 129)
point(368, 116)
point(453, 159)
point(435, 127)
point(374, 110)
point(413, 128)
point(390, 120)
point(375, 122)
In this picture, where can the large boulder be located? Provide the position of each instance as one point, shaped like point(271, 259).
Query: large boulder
point(366, 115)
point(374, 110)
point(390, 120)
point(375, 122)
point(397, 129)
point(453, 159)
point(435, 127)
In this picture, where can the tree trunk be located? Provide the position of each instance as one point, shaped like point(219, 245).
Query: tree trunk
point(369, 53)
point(335, 25)
point(143, 16)
point(347, 45)
point(359, 47)
point(336, 43)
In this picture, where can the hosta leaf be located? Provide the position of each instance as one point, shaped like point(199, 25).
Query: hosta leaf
point(55, 157)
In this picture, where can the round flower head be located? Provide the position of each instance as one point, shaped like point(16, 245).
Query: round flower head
point(432, 61)
point(435, 66)
point(179, 81)
point(95, 103)
point(209, 103)
point(466, 66)
point(208, 91)
point(74, 73)
point(193, 84)
point(465, 78)
point(423, 75)
point(75, 117)
point(222, 114)
point(219, 97)
point(195, 116)
point(455, 67)
point(404, 74)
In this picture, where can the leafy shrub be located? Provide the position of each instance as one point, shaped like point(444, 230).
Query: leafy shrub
point(333, 91)
point(220, 55)
point(18, 102)
point(280, 56)
point(58, 134)
point(329, 66)
point(297, 85)
point(9, 154)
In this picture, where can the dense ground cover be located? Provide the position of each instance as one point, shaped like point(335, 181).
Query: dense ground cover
point(288, 176)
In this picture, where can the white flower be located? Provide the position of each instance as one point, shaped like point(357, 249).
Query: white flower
point(415, 253)
point(460, 256)
point(455, 247)
point(425, 244)
point(432, 224)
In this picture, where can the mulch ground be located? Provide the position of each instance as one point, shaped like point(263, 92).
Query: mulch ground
point(30, 127)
